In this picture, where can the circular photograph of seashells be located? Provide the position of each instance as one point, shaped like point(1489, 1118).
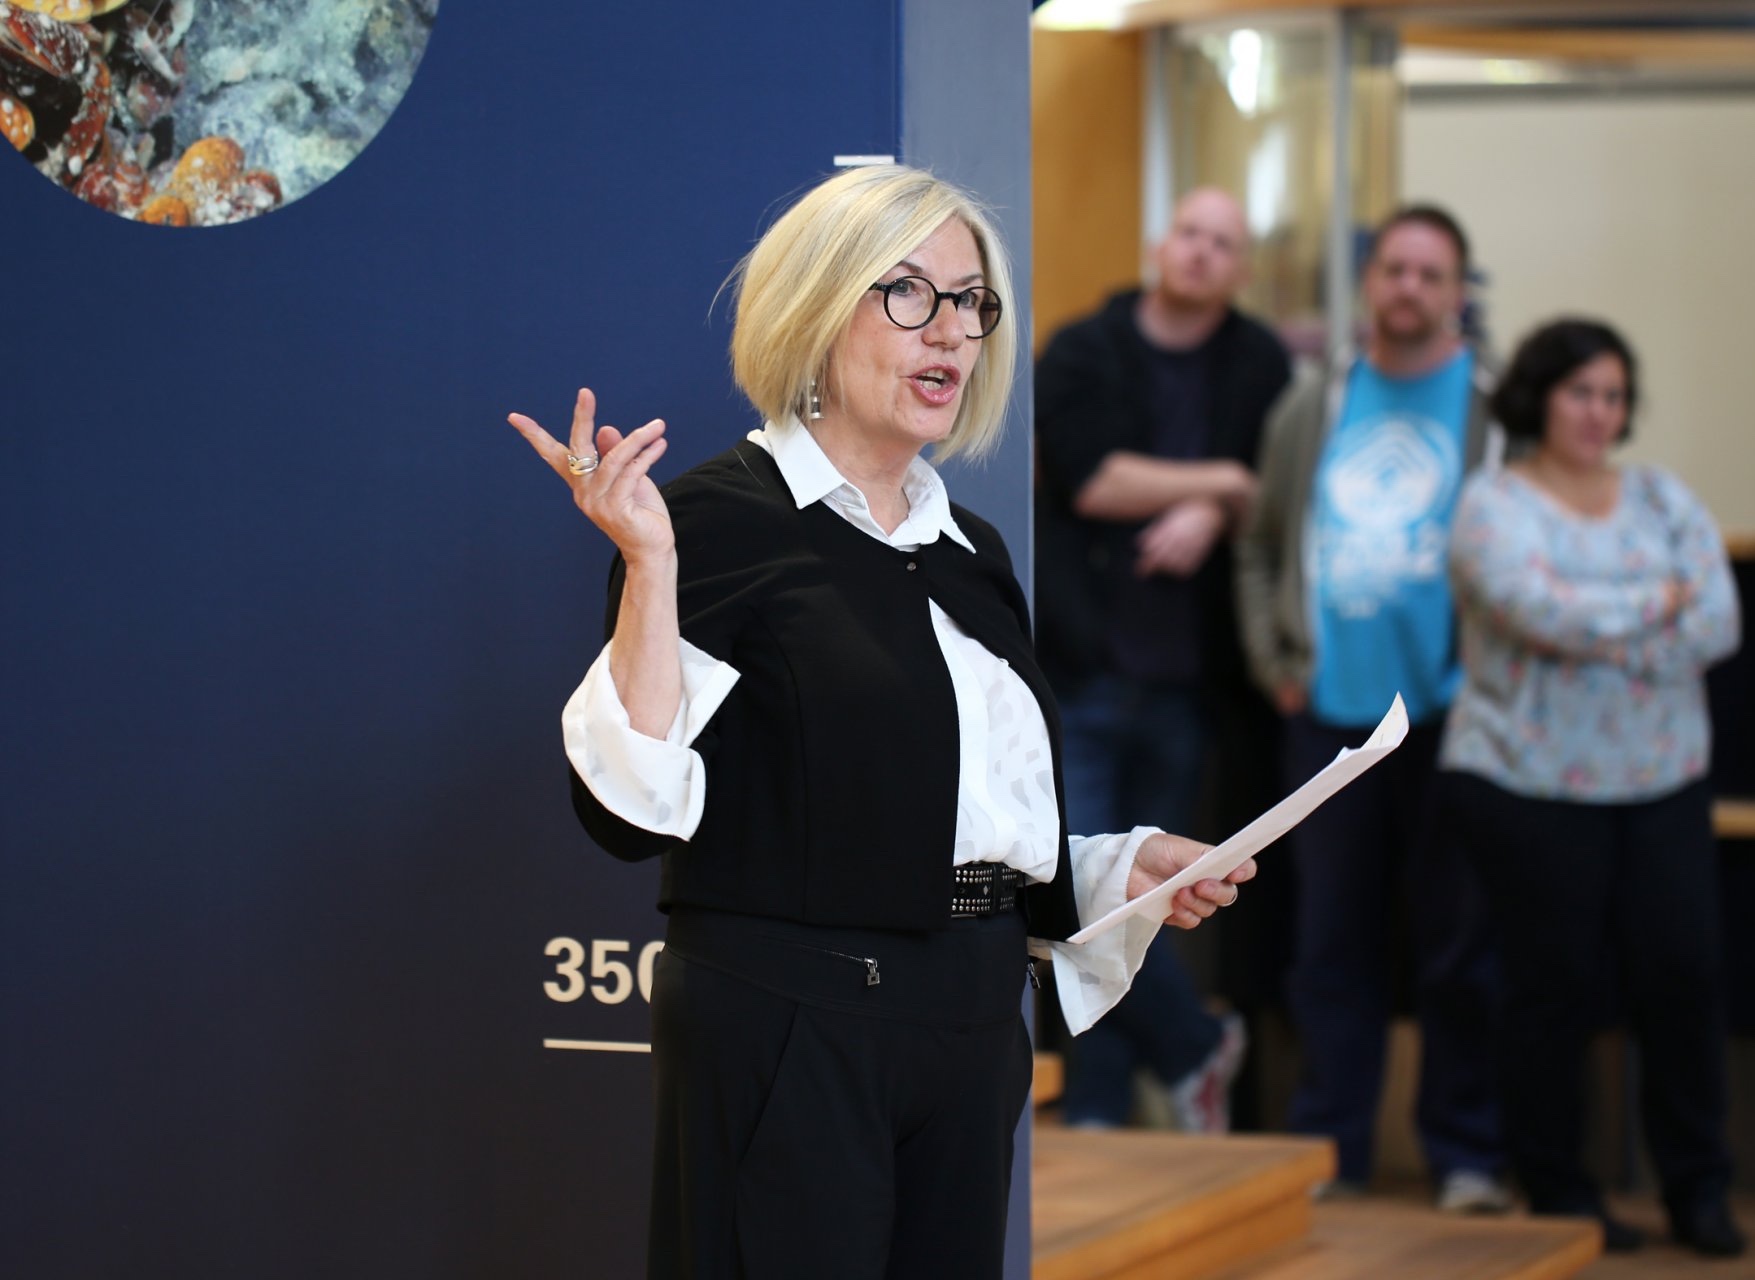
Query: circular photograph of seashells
point(197, 113)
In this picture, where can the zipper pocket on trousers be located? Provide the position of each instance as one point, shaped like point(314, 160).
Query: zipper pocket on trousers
point(870, 962)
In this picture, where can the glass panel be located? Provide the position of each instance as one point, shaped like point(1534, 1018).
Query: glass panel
point(1251, 111)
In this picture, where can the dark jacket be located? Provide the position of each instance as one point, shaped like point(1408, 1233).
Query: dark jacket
point(1093, 396)
point(832, 766)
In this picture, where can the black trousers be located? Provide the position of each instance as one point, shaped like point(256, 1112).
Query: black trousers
point(1588, 893)
point(1383, 887)
point(813, 1123)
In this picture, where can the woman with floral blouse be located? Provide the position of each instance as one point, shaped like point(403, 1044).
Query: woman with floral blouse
point(1592, 599)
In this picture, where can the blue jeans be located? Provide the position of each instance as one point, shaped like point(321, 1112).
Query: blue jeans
point(1131, 755)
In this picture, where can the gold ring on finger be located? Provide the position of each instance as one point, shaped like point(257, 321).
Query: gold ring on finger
point(583, 466)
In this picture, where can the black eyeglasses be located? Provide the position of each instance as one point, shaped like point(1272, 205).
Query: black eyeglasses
point(911, 302)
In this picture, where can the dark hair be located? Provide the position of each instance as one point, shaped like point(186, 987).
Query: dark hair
point(1545, 359)
point(1424, 215)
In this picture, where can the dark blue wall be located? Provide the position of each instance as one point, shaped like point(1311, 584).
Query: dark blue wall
point(290, 614)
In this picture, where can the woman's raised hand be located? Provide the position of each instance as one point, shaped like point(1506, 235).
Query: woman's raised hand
point(617, 494)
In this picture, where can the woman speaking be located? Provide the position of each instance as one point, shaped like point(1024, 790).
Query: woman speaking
point(818, 704)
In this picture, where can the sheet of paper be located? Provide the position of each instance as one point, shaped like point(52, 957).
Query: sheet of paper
point(1222, 859)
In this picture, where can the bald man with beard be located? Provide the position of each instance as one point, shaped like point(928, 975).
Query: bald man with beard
point(1148, 419)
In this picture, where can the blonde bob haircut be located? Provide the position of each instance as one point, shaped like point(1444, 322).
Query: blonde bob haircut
point(798, 288)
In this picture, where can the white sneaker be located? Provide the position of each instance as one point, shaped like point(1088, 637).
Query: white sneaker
point(1469, 1191)
point(1201, 1100)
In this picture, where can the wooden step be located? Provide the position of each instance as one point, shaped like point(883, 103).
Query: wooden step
point(1733, 818)
point(1139, 1205)
point(1374, 1238)
point(1136, 1205)
point(1049, 1081)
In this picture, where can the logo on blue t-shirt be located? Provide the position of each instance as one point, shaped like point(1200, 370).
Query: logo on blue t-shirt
point(1385, 491)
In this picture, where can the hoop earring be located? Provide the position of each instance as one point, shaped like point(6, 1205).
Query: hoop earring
point(816, 402)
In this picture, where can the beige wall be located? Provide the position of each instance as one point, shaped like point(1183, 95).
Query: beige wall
point(1637, 210)
point(1085, 120)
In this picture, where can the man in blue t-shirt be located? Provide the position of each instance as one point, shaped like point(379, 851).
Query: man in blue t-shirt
point(1385, 487)
point(1344, 601)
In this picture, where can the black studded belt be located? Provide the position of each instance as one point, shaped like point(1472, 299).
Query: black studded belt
point(984, 889)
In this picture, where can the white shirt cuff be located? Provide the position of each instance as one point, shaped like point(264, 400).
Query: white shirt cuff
point(657, 784)
point(1091, 978)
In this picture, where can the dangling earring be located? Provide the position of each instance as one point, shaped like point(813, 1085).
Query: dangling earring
point(816, 402)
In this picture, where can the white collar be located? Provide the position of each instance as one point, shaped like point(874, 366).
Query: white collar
point(811, 477)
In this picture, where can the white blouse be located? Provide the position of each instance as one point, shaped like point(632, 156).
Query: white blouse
point(1006, 810)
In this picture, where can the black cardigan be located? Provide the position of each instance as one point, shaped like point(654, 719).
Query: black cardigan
point(1093, 396)
point(832, 765)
